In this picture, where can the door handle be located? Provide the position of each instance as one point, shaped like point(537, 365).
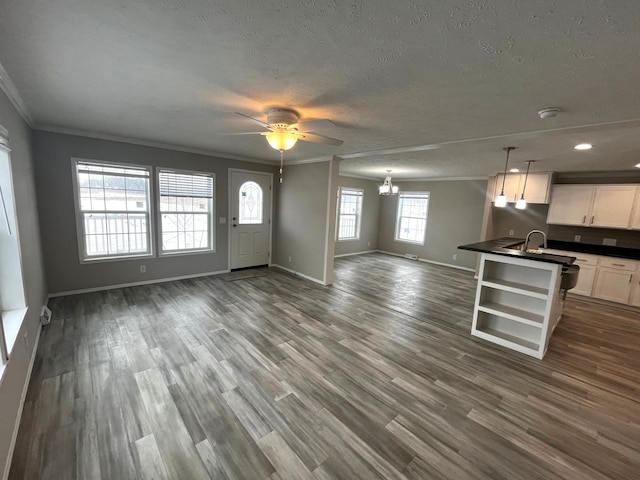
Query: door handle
point(584, 219)
point(592, 219)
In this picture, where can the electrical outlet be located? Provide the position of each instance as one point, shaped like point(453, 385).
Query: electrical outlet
point(577, 238)
point(512, 232)
point(368, 244)
point(455, 256)
point(289, 259)
point(26, 340)
point(143, 269)
point(611, 242)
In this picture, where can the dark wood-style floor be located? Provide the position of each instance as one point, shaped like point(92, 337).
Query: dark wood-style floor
point(261, 375)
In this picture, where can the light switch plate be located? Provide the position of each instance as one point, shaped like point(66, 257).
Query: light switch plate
point(611, 242)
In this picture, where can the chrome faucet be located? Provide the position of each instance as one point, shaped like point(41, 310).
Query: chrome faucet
point(544, 238)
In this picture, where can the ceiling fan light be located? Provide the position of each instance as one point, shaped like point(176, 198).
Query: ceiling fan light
point(521, 204)
point(281, 140)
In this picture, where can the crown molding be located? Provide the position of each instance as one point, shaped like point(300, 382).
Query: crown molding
point(149, 143)
point(12, 93)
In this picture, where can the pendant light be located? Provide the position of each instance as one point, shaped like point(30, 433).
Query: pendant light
point(501, 200)
point(387, 188)
point(521, 204)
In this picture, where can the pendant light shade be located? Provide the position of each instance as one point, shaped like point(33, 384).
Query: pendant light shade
point(501, 200)
point(387, 188)
point(521, 204)
point(281, 140)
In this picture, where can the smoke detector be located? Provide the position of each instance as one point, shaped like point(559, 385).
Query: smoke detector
point(548, 112)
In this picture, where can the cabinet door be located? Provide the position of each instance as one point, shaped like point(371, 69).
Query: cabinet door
point(635, 220)
point(613, 285)
point(635, 290)
point(537, 190)
point(511, 186)
point(570, 204)
point(612, 206)
point(585, 280)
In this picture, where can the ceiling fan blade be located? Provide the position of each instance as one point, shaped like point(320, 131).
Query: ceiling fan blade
point(259, 122)
point(246, 133)
point(314, 124)
point(314, 138)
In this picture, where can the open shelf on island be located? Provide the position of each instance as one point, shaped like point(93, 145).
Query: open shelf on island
point(517, 302)
point(508, 338)
point(517, 287)
point(512, 313)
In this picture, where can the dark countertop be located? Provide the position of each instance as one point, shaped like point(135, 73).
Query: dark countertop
point(504, 246)
point(620, 252)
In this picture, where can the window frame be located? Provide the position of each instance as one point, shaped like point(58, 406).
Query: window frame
point(13, 304)
point(359, 193)
point(211, 219)
point(399, 217)
point(80, 229)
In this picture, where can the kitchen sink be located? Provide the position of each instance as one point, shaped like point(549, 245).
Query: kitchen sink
point(528, 250)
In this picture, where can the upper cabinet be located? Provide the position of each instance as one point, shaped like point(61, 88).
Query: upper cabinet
point(537, 190)
point(606, 206)
point(635, 217)
point(570, 204)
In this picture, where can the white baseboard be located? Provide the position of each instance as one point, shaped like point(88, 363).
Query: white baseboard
point(355, 253)
point(297, 273)
point(23, 397)
point(457, 267)
point(135, 284)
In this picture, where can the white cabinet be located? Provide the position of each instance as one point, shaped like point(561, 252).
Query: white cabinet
point(517, 303)
point(586, 277)
point(635, 289)
point(612, 206)
point(570, 204)
point(614, 279)
point(635, 217)
point(605, 206)
point(537, 189)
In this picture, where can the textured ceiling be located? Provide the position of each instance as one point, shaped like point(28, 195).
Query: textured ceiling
point(426, 88)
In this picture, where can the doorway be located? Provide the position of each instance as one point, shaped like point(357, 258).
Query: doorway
point(250, 212)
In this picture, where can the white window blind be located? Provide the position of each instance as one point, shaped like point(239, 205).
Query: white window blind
point(186, 210)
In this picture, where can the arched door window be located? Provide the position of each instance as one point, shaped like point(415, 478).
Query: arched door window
point(250, 208)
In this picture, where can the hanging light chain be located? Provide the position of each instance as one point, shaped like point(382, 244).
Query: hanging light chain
point(281, 163)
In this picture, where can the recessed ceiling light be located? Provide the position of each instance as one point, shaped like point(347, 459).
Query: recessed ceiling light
point(583, 146)
point(514, 170)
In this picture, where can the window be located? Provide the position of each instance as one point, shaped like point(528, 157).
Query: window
point(411, 224)
point(113, 210)
point(250, 208)
point(349, 214)
point(13, 305)
point(186, 210)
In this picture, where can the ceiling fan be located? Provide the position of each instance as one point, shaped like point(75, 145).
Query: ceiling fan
point(285, 129)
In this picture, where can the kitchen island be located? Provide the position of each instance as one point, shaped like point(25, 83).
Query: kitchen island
point(520, 294)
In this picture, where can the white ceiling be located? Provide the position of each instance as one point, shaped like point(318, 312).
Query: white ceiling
point(425, 88)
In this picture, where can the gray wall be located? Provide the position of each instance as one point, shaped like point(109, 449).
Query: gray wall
point(53, 153)
point(300, 229)
point(370, 217)
point(520, 221)
point(455, 218)
point(15, 374)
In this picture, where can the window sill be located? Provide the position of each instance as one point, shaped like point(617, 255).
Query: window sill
point(187, 252)
point(348, 239)
point(86, 261)
point(410, 241)
point(12, 321)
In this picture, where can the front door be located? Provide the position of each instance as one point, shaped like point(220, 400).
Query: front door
point(250, 218)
